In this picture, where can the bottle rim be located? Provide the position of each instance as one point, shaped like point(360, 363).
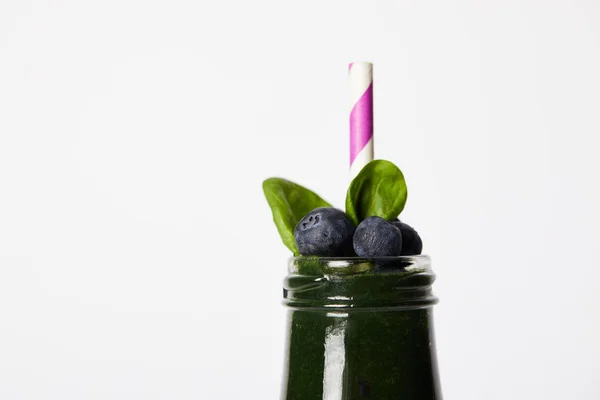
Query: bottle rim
point(313, 265)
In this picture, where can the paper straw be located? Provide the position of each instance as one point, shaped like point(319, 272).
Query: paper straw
point(361, 115)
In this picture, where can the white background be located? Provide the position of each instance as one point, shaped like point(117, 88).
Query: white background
point(138, 259)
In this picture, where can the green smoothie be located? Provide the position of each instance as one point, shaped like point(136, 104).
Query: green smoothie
point(360, 322)
point(360, 329)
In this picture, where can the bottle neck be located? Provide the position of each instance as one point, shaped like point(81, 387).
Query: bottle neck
point(358, 284)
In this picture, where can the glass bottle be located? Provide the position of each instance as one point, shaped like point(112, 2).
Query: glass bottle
point(360, 329)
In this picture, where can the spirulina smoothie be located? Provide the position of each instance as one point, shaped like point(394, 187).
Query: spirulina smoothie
point(358, 290)
point(358, 293)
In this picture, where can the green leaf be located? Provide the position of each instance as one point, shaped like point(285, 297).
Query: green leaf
point(289, 203)
point(379, 189)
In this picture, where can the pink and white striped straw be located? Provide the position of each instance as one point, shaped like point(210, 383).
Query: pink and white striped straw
point(361, 115)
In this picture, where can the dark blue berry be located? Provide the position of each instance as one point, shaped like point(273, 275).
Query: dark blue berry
point(375, 237)
point(325, 231)
point(412, 244)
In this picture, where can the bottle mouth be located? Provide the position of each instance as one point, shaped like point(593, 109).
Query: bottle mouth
point(313, 265)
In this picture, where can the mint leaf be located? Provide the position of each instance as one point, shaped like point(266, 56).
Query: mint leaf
point(379, 189)
point(289, 203)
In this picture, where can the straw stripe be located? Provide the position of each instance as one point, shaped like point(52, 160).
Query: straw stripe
point(361, 115)
point(362, 158)
point(360, 79)
point(361, 124)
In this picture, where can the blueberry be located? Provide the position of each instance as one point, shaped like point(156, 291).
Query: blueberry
point(411, 241)
point(325, 231)
point(375, 237)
